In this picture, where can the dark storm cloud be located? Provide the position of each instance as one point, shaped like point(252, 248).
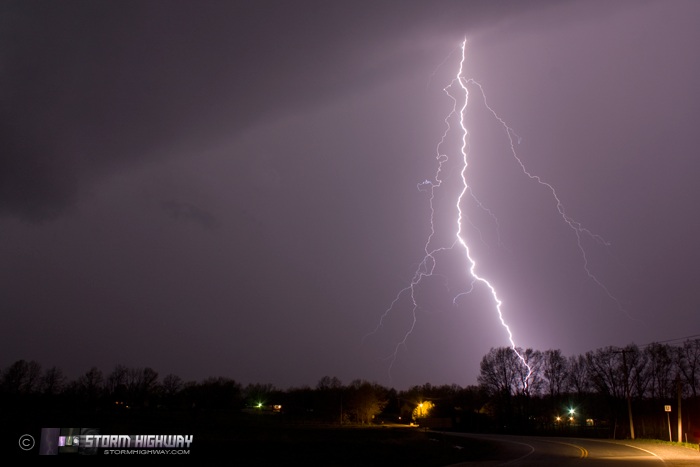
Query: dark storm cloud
point(230, 187)
point(188, 212)
point(88, 87)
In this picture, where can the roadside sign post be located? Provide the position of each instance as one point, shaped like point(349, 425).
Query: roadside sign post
point(667, 409)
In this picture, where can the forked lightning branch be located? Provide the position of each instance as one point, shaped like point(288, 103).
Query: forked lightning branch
point(458, 91)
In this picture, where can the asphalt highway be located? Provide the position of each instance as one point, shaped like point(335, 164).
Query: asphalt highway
point(531, 451)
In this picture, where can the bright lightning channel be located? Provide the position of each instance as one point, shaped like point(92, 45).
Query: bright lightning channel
point(426, 267)
point(460, 238)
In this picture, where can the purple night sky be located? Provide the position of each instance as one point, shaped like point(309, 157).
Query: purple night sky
point(230, 188)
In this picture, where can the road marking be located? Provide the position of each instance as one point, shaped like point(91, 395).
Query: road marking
point(584, 451)
point(641, 449)
point(532, 449)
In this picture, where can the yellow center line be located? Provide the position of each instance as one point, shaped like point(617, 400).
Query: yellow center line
point(584, 451)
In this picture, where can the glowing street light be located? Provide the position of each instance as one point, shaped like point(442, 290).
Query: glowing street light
point(423, 409)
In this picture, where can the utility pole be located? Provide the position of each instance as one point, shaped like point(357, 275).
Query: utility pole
point(680, 419)
point(627, 390)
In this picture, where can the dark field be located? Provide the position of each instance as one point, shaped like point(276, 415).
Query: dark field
point(268, 443)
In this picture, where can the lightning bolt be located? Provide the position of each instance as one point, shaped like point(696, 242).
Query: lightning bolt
point(465, 189)
point(426, 267)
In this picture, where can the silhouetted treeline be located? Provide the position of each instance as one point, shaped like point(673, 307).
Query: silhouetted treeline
point(534, 391)
point(518, 391)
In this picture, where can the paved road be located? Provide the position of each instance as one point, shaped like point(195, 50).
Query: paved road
point(531, 451)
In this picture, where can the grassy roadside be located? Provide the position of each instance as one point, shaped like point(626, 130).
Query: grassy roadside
point(340, 446)
point(693, 446)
